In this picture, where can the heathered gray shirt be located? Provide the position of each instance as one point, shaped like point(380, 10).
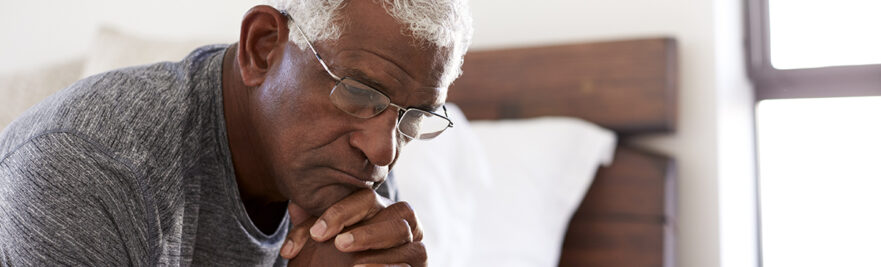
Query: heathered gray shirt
point(129, 167)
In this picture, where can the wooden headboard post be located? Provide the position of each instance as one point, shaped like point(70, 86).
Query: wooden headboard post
point(628, 215)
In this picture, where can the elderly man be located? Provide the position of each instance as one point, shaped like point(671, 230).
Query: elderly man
point(210, 160)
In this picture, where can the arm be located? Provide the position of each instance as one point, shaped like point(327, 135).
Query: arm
point(64, 201)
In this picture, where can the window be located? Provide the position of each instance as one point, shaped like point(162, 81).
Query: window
point(819, 48)
point(816, 69)
point(812, 34)
point(820, 181)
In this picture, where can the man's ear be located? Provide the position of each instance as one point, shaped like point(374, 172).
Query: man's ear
point(262, 41)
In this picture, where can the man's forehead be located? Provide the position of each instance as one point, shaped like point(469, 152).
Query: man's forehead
point(367, 25)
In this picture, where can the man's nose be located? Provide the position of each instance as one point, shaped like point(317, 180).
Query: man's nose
point(377, 138)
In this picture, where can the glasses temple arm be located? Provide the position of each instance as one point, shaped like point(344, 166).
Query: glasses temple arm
point(309, 43)
point(447, 116)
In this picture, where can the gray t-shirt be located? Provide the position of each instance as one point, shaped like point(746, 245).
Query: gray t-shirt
point(129, 167)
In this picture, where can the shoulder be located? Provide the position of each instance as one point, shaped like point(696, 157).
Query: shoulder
point(106, 104)
point(57, 167)
point(62, 154)
point(64, 198)
point(134, 111)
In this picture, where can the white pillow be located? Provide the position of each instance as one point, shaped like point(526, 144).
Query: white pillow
point(542, 168)
point(442, 179)
point(501, 193)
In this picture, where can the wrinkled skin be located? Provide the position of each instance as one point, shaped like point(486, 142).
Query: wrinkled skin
point(292, 148)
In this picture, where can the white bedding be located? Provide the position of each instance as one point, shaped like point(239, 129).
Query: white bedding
point(501, 193)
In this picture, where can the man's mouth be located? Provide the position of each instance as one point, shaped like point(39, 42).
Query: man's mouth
point(361, 181)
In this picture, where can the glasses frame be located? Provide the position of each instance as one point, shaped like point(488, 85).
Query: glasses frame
point(401, 110)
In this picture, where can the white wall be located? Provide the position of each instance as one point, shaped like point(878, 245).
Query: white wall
point(37, 32)
point(713, 144)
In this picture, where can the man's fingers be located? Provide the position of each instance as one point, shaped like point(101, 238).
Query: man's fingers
point(294, 242)
point(412, 254)
point(298, 234)
point(381, 235)
point(354, 208)
point(397, 211)
point(297, 214)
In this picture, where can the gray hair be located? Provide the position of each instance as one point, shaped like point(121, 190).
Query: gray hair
point(444, 23)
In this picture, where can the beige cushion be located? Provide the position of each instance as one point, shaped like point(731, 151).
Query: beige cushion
point(112, 49)
point(24, 89)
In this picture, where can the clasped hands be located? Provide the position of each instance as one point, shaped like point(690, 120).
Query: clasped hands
point(363, 229)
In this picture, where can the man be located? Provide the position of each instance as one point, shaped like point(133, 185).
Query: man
point(208, 161)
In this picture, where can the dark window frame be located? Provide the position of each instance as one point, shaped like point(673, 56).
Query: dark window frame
point(772, 83)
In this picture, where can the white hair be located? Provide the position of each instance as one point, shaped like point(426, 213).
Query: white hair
point(444, 23)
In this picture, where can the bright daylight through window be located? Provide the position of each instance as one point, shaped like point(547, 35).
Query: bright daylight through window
point(820, 33)
point(820, 181)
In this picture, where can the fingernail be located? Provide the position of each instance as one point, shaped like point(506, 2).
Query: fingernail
point(344, 240)
point(288, 249)
point(318, 229)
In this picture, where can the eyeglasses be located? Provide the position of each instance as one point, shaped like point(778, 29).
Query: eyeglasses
point(363, 101)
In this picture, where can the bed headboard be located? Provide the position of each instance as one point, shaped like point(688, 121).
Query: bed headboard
point(627, 86)
point(630, 86)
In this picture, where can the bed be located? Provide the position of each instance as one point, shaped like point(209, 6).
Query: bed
point(628, 216)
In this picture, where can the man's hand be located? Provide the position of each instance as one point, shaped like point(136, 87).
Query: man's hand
point(365, 229)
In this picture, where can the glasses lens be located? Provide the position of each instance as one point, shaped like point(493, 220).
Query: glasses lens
point(358, 99)
point(418, 124)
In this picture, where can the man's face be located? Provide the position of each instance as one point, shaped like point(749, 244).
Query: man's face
point(319, 154)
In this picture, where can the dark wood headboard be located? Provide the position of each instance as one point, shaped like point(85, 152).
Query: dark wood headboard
point(628, 215)
point(627, 86)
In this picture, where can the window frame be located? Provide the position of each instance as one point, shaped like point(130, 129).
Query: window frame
point(773, 83)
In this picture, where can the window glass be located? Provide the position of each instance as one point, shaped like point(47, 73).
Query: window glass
point(820, 33)
point(820, 181)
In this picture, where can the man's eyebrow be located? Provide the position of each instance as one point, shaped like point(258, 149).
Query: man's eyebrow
point(362, 77)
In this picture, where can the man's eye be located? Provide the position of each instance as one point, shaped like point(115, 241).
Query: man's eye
point(359, 92)
point(362, 95)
